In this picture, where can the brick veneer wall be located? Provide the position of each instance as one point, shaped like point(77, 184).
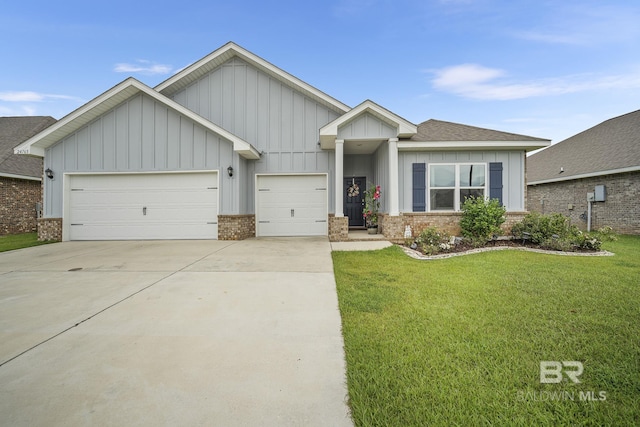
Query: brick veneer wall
point(236, 227)
point(18, 199)
point(621, 210)
point(338, 228)
point(50, 229)
point(393, 227)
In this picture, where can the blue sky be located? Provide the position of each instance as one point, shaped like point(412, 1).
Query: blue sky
point(543, 68)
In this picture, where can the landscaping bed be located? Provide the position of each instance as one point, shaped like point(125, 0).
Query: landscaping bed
point(480, 224)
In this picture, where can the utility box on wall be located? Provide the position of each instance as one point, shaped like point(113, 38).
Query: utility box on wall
point(600, 193)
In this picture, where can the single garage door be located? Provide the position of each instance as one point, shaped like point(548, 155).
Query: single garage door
point(291, 205)
point(143, 206)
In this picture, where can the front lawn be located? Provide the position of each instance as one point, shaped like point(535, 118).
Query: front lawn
point(19, 241)
point(459, 341)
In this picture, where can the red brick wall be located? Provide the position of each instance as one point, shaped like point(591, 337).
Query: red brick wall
point(393, 227)
point(18, 199)
point(621, 210)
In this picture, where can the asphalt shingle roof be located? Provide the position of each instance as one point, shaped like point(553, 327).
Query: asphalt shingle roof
point(438, 130)
point(611, 145)
point(13, 131)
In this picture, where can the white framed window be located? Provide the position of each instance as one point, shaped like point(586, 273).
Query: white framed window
point(449, 184)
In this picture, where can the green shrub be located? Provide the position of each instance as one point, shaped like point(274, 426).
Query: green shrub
point(606, 234)
point(542, 228)
point(554, 231)
point(432, 241)
point(481, 219)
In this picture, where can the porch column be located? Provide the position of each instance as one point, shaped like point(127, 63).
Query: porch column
point(393, 191)
point(339, 177)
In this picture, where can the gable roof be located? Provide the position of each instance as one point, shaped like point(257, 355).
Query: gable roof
point(440, 135)
point(193, 72)
point(37, 144)
point(612, 146)
point(13, 131)
point(329, 132)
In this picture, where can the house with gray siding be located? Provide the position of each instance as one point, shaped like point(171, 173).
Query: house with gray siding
point(233, 147)
point(592, 176)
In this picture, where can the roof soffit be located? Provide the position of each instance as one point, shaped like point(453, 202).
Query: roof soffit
point(230, 50)
point(329, 132)
point(77, 119)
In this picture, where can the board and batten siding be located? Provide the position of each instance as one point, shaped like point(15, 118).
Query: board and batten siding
point(141, 135)
point(366, 126)
point(279, 122)
point(512, 170)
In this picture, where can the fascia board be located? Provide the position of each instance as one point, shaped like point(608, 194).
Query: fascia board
point(470, 145)
point(231, 49)
point(37, 144)
point(586, 175)
point(329, 132)
point(73, 121)
point(25, 177)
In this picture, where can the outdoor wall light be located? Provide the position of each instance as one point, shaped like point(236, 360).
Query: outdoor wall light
point(230, 171)
point(49, 173)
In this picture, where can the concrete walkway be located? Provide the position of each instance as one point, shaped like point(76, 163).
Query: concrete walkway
point(168, 333)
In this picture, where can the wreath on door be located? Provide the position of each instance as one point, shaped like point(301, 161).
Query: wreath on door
point(353, 191)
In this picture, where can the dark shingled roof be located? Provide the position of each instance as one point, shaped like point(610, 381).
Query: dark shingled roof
point(14, 131)
point(613, 144)
point(437, 130)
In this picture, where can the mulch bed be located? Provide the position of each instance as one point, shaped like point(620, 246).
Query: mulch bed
point(465, 248)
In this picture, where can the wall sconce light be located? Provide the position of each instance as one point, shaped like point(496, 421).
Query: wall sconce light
point(49, 173)
point(230, 171)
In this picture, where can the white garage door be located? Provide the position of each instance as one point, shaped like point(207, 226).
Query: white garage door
point(143, 206)
point(291, 205)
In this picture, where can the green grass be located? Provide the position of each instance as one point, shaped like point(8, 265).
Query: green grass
point(459, 341)
point(19, 241)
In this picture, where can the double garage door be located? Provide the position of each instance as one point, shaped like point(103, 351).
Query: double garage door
point(143, 206)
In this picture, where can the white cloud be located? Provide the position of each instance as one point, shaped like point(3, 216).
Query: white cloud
point(142, 66)
point(29, 96)
point(479, 82)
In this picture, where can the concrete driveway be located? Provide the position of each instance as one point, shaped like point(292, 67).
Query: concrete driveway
point(172, 333)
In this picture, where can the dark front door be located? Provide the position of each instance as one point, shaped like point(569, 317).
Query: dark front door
point(353, 199)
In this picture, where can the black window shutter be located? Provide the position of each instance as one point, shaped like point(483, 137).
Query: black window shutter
point(419, 187)
point(495, 181)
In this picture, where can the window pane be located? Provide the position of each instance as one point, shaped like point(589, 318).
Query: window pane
point(442, 176)
point(472, 176)
point(442, 200)
point(470, 193)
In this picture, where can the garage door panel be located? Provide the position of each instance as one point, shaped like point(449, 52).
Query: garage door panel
point(143, 206)
point(292, 205)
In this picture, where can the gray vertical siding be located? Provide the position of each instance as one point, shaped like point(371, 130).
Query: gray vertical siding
point(512, 163)
point(141, 135)
point(280, 122)
point(366, 126)
point(381, 173)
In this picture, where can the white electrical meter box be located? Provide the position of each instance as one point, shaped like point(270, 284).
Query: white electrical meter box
point(591, 197)
point(600, 193)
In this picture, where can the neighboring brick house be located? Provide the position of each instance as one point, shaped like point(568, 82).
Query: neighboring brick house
point(20, 176)
point(560, 176)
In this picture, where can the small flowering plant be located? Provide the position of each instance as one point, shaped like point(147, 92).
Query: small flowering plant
point(371, 205)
